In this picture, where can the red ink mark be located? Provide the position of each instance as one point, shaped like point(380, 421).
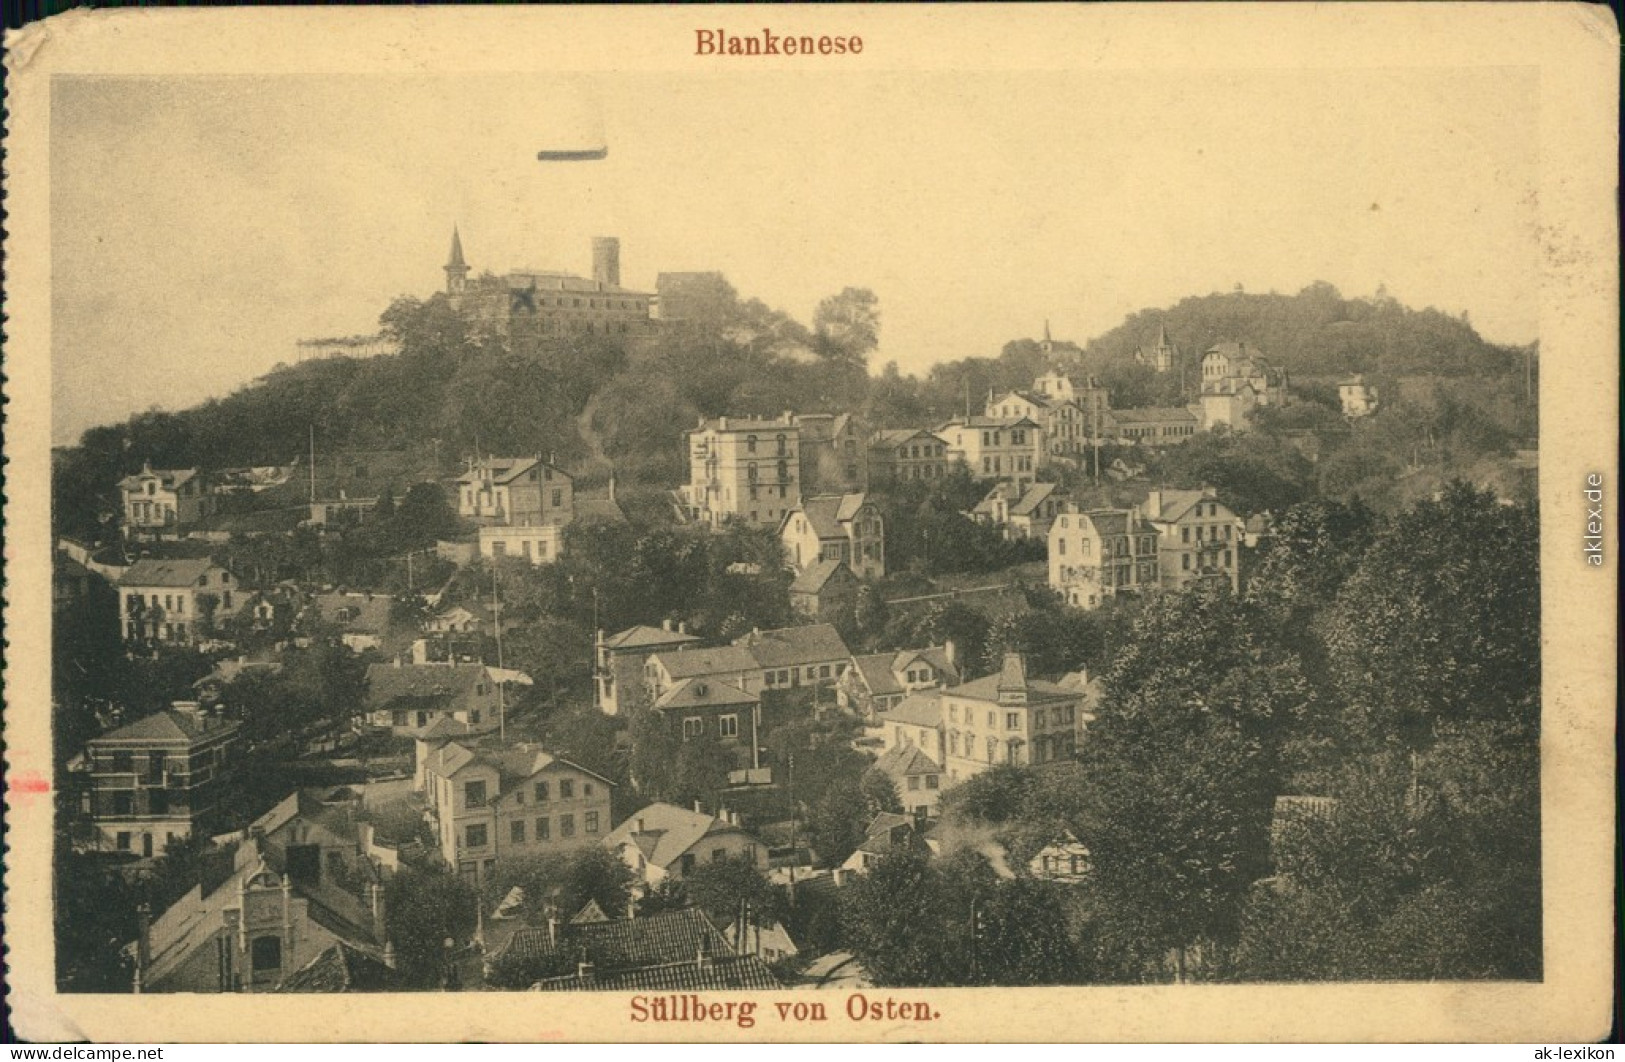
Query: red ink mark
point(28, 783)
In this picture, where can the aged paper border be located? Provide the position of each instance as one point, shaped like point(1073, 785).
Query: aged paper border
point(1574, 47)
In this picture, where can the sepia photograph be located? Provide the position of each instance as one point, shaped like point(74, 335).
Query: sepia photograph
point(786, 514)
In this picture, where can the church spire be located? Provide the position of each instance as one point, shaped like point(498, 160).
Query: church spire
point(1048, 345)
point(456, 268)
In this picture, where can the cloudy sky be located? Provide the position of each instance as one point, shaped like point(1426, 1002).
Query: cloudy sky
point(200, 226)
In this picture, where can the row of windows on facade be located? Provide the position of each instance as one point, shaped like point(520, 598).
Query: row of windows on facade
point(1018, 437)
point(781, 442)
point(694, 726)
point(1165, 431)
point(477, 835)
point(158, 762)
point(1061, 715)
point(123, 803)
point(1111, 547)
point(995, 466)
point(556, 498)
point(1056, 746)
point(1186, 565)
point(547, 324)
point(474, 793)
point(1212, 533)
point(499, 548)
point(590, 304)
point(914, 453)
point(175, 603)
point(783, 676)
point(124, 841)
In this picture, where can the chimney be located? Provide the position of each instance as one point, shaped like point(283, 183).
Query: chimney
point(584, 973)
point(397, 660)
point(697, 809)
point(724, 423)
point(951, 651)
point(606, 261)
point(637, 825)
point(389, 954)
point(1153, 504)
point(682, 626)
point(665, 625)
point(552, 928)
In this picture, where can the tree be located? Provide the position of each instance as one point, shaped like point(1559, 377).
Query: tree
point(561, 883)
point(724, 888)
point(846, 327)
point(1441, 620)
point(427, 908)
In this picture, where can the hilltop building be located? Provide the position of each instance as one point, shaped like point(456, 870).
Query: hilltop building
point(551, 304)
point(165, 601)
point(164, 500)
point(1359, 397)
point(1161, 356)
point(902, 454)
point(1236, 380)
point(995, 448)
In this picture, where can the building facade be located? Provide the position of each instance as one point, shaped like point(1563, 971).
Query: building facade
point(154, 781)
point(549, 304)
point(743, 470)
point(1102, 553)
point(834, 453)
point(1236, 380)
point(843, 527)
point(167, 601)
point(906, 454)
point(1359, 398)
point(408, 699)
point(1010, 718)
point(621, 658)
point(1198, 537)
point(516, 491)
point(532, 543)
point(993, 448)
point(663, 841)
point(165, 499)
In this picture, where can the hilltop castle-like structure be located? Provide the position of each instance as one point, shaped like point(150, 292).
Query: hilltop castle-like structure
point(549, 303)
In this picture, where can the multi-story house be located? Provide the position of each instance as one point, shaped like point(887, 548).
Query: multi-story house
point(408, 699)
point(699, 708)
point(1088, 399)
point(1359, 398)
point(516, 491)
point(903, 454)
point(1021, 514)
point(1067, 426)
point(1102, 553)
point(1235, 381)
point(549, 303)
point(164, 499)
point(916, 722)
point(878, 682)
point(301, 888)
point(1009, 718)
point(836, 527)
point(1150, 425)
point(730, 664)
point(154, 781)
point(916, 777)
point(167, 600)
point(622, 656)
point(1199, 537)
point(743, 470)
point(664, 841)
point(489, 803)
point(813, 655)
point(361, 620)
point(993, 448)
point(834, 453)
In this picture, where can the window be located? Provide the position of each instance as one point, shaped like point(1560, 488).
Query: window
point(558, 498)
point(541, 792)
point(1186, 561)
point(123, 840)
point(474, 717)
point(1184, 534)
point(476, 836)
point(914, 781)
point(953, 742)
point(1012, 720)
point(516, 831)
point(953, 713)
point(567, 789)
point(750, 444)
point(992, 749)
point(1060, 546)
point(930, 781)
point(782, 451)
point(590, 822)
point(567, 825)
point(586, 789)
point(728, 726)
point(693, 727)
point(266, 954)
point(474, 794)
point(542, 829)
point(123, 762)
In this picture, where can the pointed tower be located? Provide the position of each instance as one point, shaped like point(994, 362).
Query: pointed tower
point(456, 268)
point(1048, 346)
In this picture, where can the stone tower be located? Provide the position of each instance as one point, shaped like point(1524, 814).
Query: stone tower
point(606, 261)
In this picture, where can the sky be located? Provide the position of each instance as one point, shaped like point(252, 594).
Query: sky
point(202, 225)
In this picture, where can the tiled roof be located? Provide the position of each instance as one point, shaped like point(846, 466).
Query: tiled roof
point(507, 469)
point(987, 688)
point(1039, 400)
point(1176, 503)
point(745, 424)
point(917, 709)
point(667, 832)
point(795, 646)
point(988, 422)
point(602, 509)
point(1035, 496)
point(371, 611)
point(877, 839)
point(148, 572)
point(642, 637)
point(1002, 491)
point(1116, 522)
point(1151, 415)
point(720, 973)
point(897, 436)
point(905, 760)
point(849, 507)
point(449, 683)
point(624, 943)
point(703, 693)
point(170, 477)
point(817, 574)
point(690, 663)
point(822, 513)
point(344, 967)
point(875, 671)
point(170, 725)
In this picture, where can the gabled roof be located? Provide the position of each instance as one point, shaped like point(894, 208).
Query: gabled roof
point(451, 683)
point(905, 760)
point(371, 611)
point(684, 663)
point(792, 646)
point(169, 725)
point(896, 436)
point(169, 477)
point(1036, 495)
point(1116, 522)
point(173, 573)
point(879, 671)
point(644, 637)
point(1151, 415)
point(507, 469)
point(343, 967)
point(827, 512)
point(600, 508)
point(1042, 401)
point(817, 574)
point(878, 838)
point(712, 973)
point(1176, 503)
point(988, 687)
point(988, 422)
point(668, 832)
point(703, 693)
point(917, 709)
